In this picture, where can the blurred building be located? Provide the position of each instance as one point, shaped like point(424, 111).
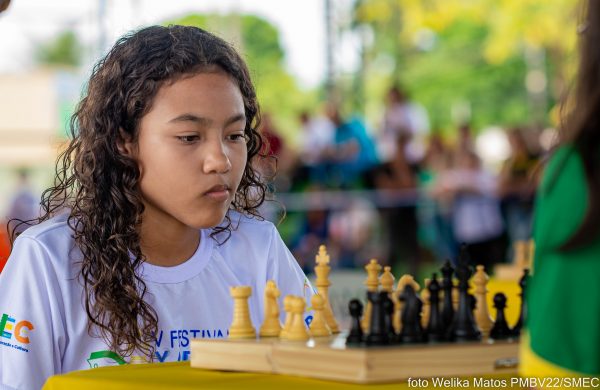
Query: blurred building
point(34, 111)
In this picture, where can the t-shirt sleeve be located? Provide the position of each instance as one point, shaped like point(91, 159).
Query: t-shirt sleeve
point(31, 328)
point(286, 272)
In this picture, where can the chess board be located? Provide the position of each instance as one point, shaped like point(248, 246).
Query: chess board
point(329, 358)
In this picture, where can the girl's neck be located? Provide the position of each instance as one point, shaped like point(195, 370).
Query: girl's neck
point(167, 243)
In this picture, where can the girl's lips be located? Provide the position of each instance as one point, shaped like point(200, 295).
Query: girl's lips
point(218, 188)
point(219, 196)
point(218, 193)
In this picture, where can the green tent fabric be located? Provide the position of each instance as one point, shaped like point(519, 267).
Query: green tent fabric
point(563, 295)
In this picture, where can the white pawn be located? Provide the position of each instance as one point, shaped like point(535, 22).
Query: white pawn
point(297, 331)
point(318, 326)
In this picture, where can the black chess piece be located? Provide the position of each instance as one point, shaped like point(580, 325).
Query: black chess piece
point(464, 327)
point(378, 334)
point(472, 302)
point(447, 286)
point(435, 326)
point(411, 331)
point(388, 316)
point(500, 330)
point(516, 330)
point(356, 334)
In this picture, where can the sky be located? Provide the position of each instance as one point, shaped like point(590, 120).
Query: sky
point(28, 22)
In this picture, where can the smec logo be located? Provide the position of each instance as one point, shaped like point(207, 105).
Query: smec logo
point(10, 328)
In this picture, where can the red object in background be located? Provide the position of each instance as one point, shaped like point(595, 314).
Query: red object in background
point(272, 145)
point(4, 248)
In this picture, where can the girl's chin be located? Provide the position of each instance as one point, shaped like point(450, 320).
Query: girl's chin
point(207, 222)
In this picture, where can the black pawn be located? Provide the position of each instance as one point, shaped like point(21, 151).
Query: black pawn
point(435, 326)
point(463, 326)
point(378, 334)
point(411, 332)
point(500, 330)
point(388, 316)
point(523, 314)
point(447, 286)
point(356, 334)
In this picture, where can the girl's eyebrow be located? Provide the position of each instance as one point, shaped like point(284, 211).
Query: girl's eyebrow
point(206, 121)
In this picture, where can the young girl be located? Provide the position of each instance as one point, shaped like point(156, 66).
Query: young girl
point(563, 298)
point(158, 199)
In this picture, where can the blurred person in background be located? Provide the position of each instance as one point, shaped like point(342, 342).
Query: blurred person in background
point(476, 217)
point(351, 232)
point(353, 154)
point(435, 214)
point(465, 141)
point(317, 137)
point(562, 337)
point(24, 205)
point(401, 176)
point(517, 188)
point(406, 118)
point(313, 229)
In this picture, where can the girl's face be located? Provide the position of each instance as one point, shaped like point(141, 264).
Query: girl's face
point(191, 150)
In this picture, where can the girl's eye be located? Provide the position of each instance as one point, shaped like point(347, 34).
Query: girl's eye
point(188, 139)
point(237, 137)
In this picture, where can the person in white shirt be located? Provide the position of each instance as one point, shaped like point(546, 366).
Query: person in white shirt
point(476, 217)
point(406, 118)
point(158, 197)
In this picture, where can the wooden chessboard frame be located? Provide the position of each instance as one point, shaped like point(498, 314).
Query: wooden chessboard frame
point(328, 358)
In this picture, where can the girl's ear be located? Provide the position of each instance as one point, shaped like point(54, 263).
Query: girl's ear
point(125, 144)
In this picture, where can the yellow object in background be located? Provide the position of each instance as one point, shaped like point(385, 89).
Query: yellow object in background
point(513, 301)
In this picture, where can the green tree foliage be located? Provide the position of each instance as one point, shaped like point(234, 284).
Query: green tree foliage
point(452, 53)
point(259, 43)
point(455, 73)
point(63, 50)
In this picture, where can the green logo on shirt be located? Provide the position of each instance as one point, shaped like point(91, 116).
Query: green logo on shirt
point(105, 358)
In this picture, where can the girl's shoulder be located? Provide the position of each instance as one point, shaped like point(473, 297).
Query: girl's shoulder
point(52, 239)
point(246, 227)
point(246, 231)
point(57, 225)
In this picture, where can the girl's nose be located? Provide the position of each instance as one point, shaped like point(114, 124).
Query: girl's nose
point(216, 159)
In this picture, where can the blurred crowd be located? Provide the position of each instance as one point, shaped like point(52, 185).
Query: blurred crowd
point(402, 192)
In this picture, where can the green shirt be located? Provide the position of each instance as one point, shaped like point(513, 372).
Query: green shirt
point(563, 296)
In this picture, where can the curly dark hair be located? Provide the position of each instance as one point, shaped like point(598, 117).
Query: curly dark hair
point(100, 185)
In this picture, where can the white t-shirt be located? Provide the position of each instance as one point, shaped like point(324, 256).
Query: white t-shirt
point(43, 323)
point(319, 134)
point(476, 215)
